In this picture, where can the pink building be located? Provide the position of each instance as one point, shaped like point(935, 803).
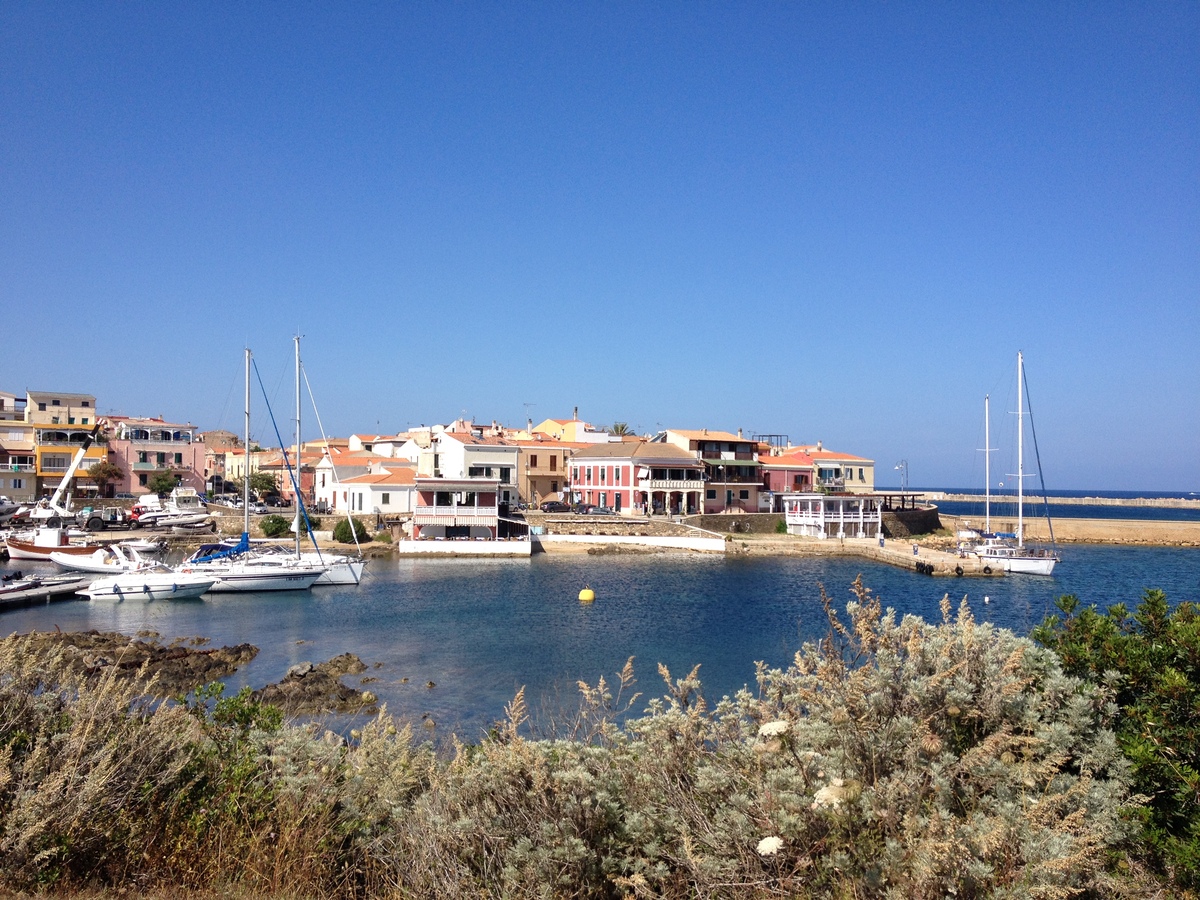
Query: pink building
point(144, 447)
point(638, 478)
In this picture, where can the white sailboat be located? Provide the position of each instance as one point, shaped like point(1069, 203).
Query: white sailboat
point(1009, 553)
point(340, 568)
point(239, 569)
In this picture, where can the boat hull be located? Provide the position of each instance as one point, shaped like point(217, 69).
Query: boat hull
point(149, 586)
point(19, 549)
point(235, 577)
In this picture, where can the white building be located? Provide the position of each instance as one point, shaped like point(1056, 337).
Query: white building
point(833, 515)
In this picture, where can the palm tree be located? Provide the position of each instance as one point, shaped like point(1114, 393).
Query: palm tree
point(620, 429)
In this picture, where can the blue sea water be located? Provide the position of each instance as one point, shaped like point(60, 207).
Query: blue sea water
point(479, 630)
point(1005, 505)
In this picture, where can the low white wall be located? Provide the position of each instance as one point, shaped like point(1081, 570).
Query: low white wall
point(464, 548)
point(706, 545)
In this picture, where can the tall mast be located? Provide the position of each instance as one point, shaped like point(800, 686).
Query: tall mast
point(987, 464)
point(299, 470)
point(246, 474)
point(1020, 451)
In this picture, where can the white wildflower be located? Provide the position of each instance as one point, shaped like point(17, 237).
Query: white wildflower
point(769, 846)
point(829, 796)
point(770, 729)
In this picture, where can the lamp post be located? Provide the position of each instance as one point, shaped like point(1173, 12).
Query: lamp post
point(902, 468)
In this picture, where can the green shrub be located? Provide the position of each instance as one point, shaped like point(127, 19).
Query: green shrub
point(274, 525)
point(1152, 659)
point(343, 535)
point(781, 527)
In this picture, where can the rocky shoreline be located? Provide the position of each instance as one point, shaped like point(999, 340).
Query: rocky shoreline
point(184, 664)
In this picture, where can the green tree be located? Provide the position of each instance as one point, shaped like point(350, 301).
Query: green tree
point(342, 534)
point(103, 473)
point(260, 482)
point(1152, 658)
point(162, 482)
point(274, 525)
point(619, 429)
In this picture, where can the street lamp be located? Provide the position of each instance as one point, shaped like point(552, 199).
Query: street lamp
point(902, 468)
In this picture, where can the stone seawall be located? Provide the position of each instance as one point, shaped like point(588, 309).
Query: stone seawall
point(1158, 533)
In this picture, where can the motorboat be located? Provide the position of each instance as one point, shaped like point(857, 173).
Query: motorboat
point(109, 560)
point(183, 507)
point(159, 583)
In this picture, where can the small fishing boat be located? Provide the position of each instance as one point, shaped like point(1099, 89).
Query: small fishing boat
point(39, 544)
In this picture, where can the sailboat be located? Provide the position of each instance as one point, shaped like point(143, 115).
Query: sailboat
point(1008, 552)
point(238, 568)
point(338, 568)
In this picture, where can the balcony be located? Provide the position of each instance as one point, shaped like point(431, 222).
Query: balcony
point(456, 515)
point(17, 467)
point(670, 484)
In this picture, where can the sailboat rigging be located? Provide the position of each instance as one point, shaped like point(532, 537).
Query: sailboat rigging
point(1009, 553)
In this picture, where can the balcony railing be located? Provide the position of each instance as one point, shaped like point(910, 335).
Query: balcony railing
point(456, 515)
point(671, 484)
point(18, 467)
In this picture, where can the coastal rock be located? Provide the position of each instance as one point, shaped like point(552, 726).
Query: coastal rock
point(175, 669)
point(309, 689)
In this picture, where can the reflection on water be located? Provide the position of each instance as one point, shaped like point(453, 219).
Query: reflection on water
point(480, 629)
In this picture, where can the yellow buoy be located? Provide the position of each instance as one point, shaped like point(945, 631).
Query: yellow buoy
point(587, 595)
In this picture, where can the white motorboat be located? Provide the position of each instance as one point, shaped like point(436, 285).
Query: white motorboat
point(182, 508)
point(1005, 552)
point(151, 584)
point(110, 560)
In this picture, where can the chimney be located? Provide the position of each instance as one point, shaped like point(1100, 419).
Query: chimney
point(739, 433)
point(818, 445)
point(575, 415)
point(529, 425)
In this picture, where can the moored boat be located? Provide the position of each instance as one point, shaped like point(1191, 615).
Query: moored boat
point(109, 560)
point(39, 544)
point(151, 584)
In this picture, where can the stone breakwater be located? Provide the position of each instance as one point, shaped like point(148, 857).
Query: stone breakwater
point(1131, 532)
point(1150, 502)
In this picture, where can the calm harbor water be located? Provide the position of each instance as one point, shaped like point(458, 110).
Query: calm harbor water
point(481, 629)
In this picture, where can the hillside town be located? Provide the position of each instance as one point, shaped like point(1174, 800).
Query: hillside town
point(441, 480)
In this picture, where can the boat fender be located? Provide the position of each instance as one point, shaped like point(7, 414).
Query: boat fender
point(987, 570)
point(174, 587)
point(145, 588)
point(958, 570)
point(587, 595)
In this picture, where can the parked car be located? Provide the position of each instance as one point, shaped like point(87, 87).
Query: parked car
point(603, 511)
point(278, 501)
point(555, 506)
point(582, 509)
point(258, 509)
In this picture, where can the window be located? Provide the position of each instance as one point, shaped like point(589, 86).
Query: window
point(18, 483)
point(70, 420)
point(160, 458)
point(710, 494)
point(602, 481)
point(860, 475)
point(387, 499)
point(553, 463)
point(84, 420)
point(142, 479)
point(41, 407)
point(141, 456)
point(743, 495)
point(553, 486)
point(533, 461)
point(55, 403)
point(588, 474)
point(179, 459)
point(506, 475)
point(604, 498)
point(85, 403)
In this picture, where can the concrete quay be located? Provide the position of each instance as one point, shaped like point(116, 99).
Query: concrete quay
point(926, 560)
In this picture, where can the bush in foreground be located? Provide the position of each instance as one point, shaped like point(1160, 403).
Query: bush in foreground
point(894, 759)
point(343, 535)
point(1152, 661)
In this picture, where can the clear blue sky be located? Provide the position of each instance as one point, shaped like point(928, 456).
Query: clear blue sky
point(832, 221)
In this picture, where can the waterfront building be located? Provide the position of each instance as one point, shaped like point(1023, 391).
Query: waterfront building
point(573, 431)
point(786, 470)
point(216, 444)
point(731, 468)
point(387, 490)
point(469, 455)
point(638, 478)
point(841, 471)
point(62, 422)
point(456, 508)
point(145, 447)
point(18, 458)
point(542, 467)
point(823, 515)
